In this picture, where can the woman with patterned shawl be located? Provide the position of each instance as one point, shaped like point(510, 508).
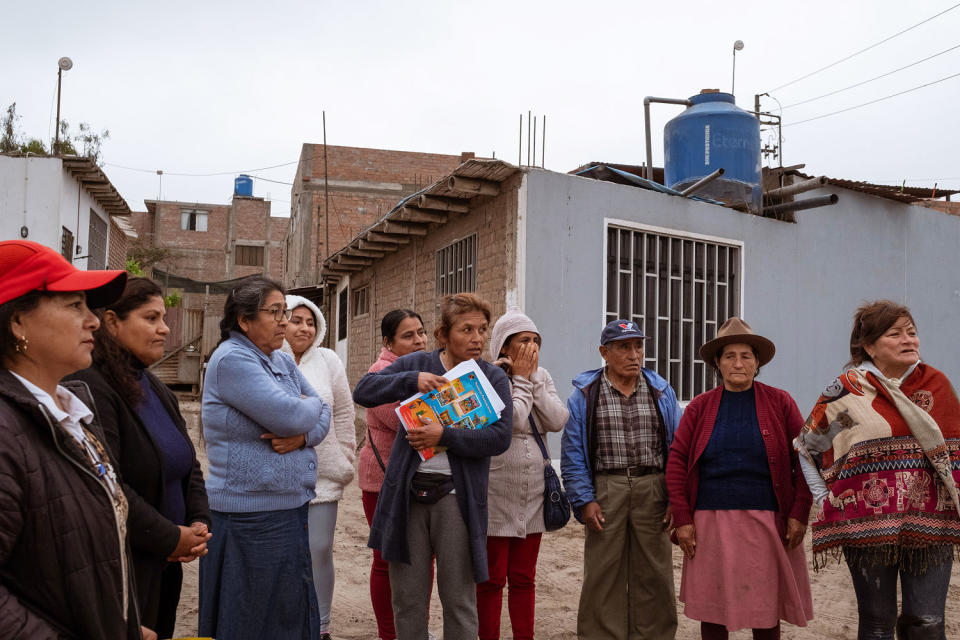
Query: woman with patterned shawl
point(881, 455)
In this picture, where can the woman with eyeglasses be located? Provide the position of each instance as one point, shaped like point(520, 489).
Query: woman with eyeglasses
point(261, 422)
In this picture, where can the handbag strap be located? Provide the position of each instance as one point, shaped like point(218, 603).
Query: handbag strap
point(375, 452)
point(536, 434)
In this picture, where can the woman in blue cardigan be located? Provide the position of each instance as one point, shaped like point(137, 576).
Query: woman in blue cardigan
point(437, 507)
point(261, 420)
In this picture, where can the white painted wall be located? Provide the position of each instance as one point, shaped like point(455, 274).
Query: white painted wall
point(801, 282)
point(38, 193)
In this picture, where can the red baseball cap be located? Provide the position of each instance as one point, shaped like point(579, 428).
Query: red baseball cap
point(28, 266)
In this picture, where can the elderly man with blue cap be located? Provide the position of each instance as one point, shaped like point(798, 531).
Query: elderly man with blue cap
point(622, 421)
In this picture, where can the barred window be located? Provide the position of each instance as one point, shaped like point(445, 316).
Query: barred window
point(342, 315)
point(193, 220)
point(456, 267)
point(679, 290)
point(248, 256)
point(97, 242)
point(66, 243)
point(361, 302)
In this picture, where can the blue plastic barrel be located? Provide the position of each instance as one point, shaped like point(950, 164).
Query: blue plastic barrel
point(243, 186)
point(711, 134)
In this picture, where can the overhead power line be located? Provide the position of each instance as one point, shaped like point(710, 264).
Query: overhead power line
point(269, 180)
point(856, 53)
point(203, 175)
point(884, 75)
point(892, 95)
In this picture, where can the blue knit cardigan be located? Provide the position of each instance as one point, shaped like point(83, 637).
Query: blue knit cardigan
point(247, 393)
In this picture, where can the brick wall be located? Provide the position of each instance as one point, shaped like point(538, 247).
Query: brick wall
point(209, 256)
point(952, 208)
point(407, 278)
point(364, 184)
point(117, 258)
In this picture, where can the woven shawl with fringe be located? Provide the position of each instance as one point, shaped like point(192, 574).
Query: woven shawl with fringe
point(890, 455)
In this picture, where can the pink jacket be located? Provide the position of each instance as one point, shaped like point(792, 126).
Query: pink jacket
point(382, 424)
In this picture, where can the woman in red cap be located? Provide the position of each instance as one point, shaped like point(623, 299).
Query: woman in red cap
point(64, 561)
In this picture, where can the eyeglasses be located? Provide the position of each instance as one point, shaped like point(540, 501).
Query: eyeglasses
point(279, 313)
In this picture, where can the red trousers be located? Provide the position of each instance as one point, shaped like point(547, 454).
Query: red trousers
point(380, 594)
point(513, 560)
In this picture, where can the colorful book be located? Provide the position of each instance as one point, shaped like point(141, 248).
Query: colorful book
point(467, 401)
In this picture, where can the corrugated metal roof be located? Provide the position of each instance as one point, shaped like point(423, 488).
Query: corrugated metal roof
point(907, 195)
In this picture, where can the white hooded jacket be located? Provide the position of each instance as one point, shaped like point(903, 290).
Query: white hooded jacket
point(325, 373)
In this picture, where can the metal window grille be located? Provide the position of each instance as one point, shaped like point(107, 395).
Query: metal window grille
point(456, 267)
point(679, 290)
point(361, 302)
point(66, 243)
point(193, 220)
point(246, 255)
point(342, 315)
point(97, 243)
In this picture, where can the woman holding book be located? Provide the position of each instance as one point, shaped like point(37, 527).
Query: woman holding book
point(403, 333)
point(515, 497)
point(438, 507)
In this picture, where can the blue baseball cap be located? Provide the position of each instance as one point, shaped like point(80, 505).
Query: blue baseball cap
point(620, 330)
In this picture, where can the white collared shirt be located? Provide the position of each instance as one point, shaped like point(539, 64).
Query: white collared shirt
point(71, 419)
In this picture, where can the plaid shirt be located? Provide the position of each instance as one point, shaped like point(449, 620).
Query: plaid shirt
point(628, 429)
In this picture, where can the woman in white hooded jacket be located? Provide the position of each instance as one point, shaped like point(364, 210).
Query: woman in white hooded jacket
point(335, 454)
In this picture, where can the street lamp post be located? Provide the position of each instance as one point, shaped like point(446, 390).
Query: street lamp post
point(737, 46)
point(63, 64)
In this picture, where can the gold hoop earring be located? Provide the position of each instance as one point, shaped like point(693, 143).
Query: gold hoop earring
point(22, 344)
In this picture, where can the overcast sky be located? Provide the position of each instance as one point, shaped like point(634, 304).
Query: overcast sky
point(206, 87)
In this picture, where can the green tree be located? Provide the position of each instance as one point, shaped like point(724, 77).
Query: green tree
point(91, 141)
point(64, 146)
point(35, 146)
point(8, 130)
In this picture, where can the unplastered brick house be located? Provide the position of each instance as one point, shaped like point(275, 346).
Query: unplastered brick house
point(337, 191)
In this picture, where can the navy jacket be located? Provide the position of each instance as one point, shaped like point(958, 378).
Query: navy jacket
point(468, 451)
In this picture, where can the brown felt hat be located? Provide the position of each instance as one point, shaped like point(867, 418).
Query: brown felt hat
point(736, 331)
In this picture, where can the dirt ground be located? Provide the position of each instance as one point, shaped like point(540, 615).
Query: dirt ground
point(559, 575)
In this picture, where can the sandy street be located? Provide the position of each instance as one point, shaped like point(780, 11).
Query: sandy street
point(559, 575)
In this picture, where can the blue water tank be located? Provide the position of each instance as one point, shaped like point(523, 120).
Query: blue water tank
point(243, 186)
point(711, 134)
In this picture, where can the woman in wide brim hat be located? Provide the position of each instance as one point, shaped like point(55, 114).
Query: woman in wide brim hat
point(740, 503)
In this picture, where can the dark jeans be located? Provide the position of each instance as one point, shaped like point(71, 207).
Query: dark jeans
point(924, 599)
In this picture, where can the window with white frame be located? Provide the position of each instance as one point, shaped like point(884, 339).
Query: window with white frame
point(361, 302)
point(456, 267)
point(679, 290)
point(193, 220)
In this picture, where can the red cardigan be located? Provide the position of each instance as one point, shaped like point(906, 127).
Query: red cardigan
point(780, 422)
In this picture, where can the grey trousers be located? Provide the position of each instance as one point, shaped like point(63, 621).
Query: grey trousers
point(435, 530)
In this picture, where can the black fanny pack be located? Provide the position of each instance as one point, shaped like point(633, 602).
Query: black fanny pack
point(428, 488)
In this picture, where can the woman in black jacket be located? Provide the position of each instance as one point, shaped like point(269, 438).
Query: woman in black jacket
point(147, 436)
point(64, 563)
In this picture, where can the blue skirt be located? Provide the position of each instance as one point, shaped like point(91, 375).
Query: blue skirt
point(256, 579)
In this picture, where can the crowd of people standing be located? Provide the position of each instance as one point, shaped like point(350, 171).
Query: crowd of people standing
point(102, 497)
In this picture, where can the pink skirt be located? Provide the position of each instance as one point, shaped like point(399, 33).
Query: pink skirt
point(742, 575)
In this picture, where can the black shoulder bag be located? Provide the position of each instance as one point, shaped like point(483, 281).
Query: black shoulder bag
point(556, 507)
